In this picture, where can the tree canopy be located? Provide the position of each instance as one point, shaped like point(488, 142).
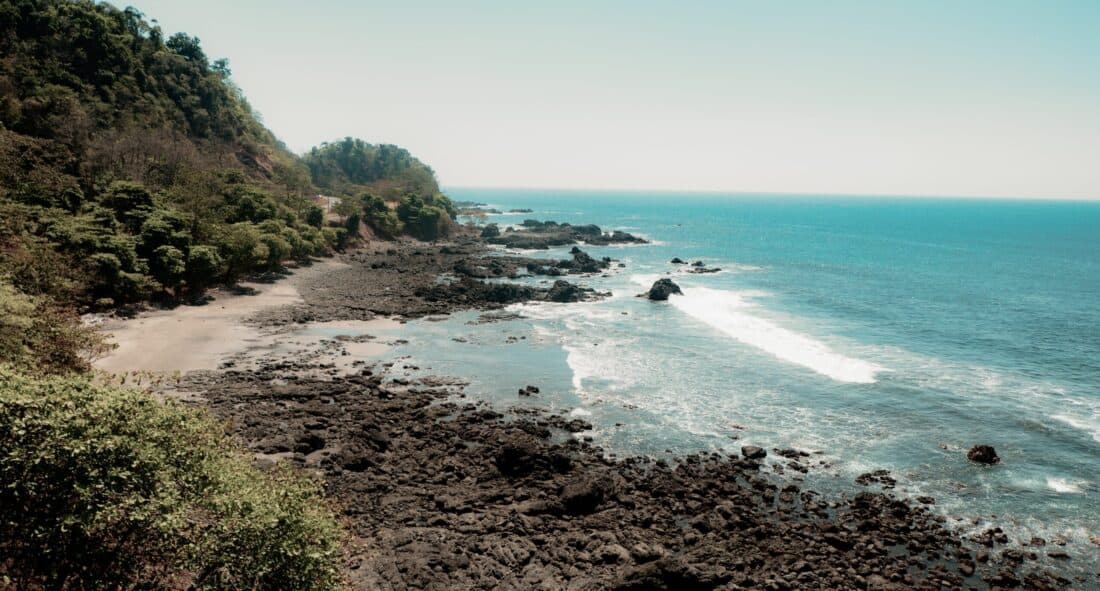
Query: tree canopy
point(352, 165)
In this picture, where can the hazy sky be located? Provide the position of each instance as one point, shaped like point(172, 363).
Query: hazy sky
point(992, 97)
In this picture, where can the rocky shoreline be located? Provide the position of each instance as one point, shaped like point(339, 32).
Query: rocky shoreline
point(440, 493)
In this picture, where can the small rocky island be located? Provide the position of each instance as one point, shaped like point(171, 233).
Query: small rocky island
point(533, 234)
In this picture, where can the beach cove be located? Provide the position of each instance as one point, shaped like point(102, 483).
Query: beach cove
point(445, 351)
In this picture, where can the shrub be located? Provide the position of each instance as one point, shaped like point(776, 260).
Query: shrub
point(315, 240)
point(315, 216)
point(167, 265)
point(250, 204)
point(164, 227)
point(379, 217)
point(107, 488)
point(277, 249)
point(425, 218)
point(204, 264)
point(240, 248)
point(36, 333)
point(490, 231)
point(131, 202)
point(337, 237)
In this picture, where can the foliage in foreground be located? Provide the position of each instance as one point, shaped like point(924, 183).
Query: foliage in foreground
point(113, 488)
point(42, 336)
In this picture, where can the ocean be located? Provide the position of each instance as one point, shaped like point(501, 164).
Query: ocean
point(877, 333)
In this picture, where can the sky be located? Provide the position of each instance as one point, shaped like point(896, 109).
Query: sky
point(965, 98)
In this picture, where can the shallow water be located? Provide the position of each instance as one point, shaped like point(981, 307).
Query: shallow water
point(886, 333)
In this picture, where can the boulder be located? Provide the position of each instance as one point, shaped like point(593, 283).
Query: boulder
point(615, 554)
point(678, 261)
point(616, 237)
point(518, 454)
point(584, 495)
point(753, 452)
point(587, 230)
point(584, 263)
point(662, 288)
point(563, 291)
point(670, 574)
point(355, 457)
point(490, 231)
point(983, 454)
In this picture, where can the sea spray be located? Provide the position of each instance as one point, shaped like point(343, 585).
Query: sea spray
point(729, 312)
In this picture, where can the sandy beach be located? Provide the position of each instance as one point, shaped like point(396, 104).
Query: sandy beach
point(191, 338)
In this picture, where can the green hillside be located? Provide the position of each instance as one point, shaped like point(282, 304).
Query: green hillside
point(133, 169)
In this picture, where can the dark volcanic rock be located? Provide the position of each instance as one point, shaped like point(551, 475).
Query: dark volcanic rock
point(585, 494)
point(753, 452)
point(678, 261)
point(587, 231)
point(669, 574)
point(445, 494)
point(584, 263)
point(563, 291)
point(615, 237)
point(441, 493)
point(662, 288)
point(471, 292)
point(983, 454)
point(543, 235)
point(519, 454)
point(490, 231)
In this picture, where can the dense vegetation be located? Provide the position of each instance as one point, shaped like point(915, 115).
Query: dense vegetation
point(133, 169)
point(350, 166)
point(108, 488)
point(136, 160)
point(390, 190)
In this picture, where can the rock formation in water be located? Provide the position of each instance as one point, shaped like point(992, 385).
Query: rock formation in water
point(662, 288)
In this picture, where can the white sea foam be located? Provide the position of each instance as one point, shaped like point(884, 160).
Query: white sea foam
point(728, 312)
point(646, 279)
point(1063, 485)
point(1090, 426)
point(596, 371)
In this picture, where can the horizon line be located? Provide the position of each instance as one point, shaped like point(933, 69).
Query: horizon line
point(742, 192)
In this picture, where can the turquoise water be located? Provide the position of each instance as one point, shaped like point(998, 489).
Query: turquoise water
point(885, 333)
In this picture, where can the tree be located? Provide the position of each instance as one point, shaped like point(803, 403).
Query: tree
point(350, 163)
point(379, 217)
point(131, 203)
point(164, 227)
point(240, 248)
point(204, 265)
point(315, 216)
point(167, 265)
point(188, 47)
point(426, 218)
